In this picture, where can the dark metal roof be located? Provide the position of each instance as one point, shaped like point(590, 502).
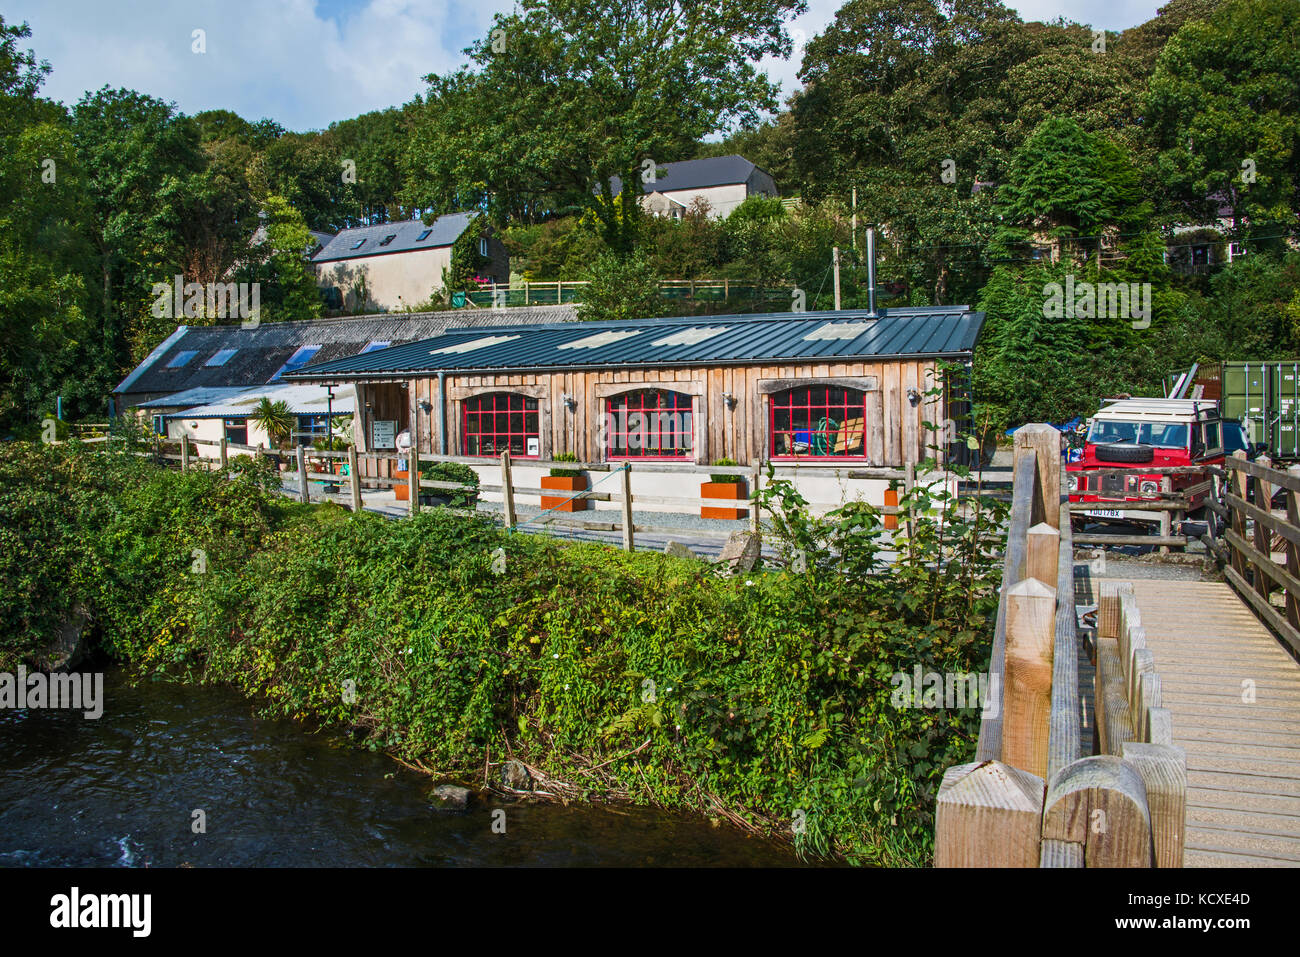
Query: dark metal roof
point(678, 341)
point(695, 174)
point(406, 234)
point(261, 352)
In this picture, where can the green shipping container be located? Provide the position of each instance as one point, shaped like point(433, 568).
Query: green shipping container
point(1265, 397)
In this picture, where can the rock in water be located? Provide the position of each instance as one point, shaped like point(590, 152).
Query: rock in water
point(450, 797)
point(516, 776)
point(741, 552)
point(678, 550)
point(68, 647)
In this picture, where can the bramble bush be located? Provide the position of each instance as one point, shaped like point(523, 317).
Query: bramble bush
point(765, 697)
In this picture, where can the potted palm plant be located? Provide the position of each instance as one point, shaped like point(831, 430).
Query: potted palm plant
point(722, 486)
point(565, 480)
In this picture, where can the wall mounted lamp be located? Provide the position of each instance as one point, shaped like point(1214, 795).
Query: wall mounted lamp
point(913, 397)
point(426, 406)
point(569, 401)
point(730, 399)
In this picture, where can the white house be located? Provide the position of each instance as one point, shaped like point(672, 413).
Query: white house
point(723, 182)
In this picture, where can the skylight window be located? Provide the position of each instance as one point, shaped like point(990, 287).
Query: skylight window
point(182, 359)
point(423, 236)
point(375, 346)
point(388, 239)
point(833, 330)
point(599, 339)
point(473, 344)
point(357, 244)
point(297, 361)
point(220, 357)
point(691, 336)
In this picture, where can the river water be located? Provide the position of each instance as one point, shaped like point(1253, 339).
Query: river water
point(121, 791)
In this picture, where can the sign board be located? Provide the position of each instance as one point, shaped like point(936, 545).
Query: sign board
point(383, 434)
point(534, 446)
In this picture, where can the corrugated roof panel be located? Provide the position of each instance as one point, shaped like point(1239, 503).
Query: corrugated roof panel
point(763, 337)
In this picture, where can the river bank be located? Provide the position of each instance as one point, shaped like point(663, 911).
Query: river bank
point(452, 643)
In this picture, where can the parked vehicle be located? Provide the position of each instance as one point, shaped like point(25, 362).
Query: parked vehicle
point(1127, 434)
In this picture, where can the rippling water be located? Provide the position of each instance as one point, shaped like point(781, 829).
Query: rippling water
point(121, 791)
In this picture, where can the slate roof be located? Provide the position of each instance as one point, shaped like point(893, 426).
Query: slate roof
point(444, 231)
point(261, 352)
point(943, 331)
point(695, 174)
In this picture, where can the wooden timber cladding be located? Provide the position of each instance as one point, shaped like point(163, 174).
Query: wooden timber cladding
point(895, 432)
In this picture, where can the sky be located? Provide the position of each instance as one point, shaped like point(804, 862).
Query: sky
point(308, 63)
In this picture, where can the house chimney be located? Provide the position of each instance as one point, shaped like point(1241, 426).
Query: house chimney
point(871, 272)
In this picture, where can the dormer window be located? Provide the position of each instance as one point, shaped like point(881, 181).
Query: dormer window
point(483, 248)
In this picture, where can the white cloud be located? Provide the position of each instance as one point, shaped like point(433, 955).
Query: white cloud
point(305, 67)
point(282, 59)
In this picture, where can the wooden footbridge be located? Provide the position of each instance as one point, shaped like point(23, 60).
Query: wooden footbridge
point(1169, 735)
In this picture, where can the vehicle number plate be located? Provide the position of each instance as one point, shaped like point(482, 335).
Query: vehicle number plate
point(1104, 512)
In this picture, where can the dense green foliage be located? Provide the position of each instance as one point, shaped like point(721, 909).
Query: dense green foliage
point(641, 677)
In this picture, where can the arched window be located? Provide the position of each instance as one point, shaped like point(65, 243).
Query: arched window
point(649, 424)
point(499, 422)
point(818, 421)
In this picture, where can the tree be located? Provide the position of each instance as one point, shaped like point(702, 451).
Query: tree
point(621, 288)
point(275, 419)
point(572, 102)
point(1224, 108)
point(277, 261)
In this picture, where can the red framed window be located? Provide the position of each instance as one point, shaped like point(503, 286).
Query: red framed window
point(499, 422)
point(818, 421)
point(649, 424)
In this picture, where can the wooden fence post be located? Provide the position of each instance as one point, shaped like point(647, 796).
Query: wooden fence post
point(1027, 690)
point(507, 490)
point(185, 453)
point(1100, 803)
point(628, 528)
point(1045, 441)
point(909, 483)
point(304, 494)
point(354, 473)
point(989, 814)
point(1239, 517)
point(1292, 555)
point(1044, 550)
point(1163, 771)
point(753, 510)
point(413, 479)
point(225, 457)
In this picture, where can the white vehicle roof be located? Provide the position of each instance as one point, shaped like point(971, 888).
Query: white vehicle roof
point(1169, 410)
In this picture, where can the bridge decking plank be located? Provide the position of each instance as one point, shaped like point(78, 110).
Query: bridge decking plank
point(1243, 758)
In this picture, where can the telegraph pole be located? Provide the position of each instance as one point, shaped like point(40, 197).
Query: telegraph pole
point(835, 259)
point(853, 235)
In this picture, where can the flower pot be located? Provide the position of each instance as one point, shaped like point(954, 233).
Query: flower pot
point(569, 485)
point(403, 491)
point(721, 490)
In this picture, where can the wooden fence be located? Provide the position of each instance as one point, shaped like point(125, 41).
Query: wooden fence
point(553, 292)
point(1031, 798)
point(1258, 547)
point(313, 465)
point(1172, 504)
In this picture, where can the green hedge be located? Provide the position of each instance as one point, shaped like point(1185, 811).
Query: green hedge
point(768, 696)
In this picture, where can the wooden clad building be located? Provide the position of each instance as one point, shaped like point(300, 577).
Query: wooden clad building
point(819, 388)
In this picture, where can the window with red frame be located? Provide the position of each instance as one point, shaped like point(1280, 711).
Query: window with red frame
point(499, 422)
point(649, 424)
point(819, 421)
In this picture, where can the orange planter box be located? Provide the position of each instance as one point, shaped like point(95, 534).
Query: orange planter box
point(404, 490)
point(563, 483)
point(721, 490)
